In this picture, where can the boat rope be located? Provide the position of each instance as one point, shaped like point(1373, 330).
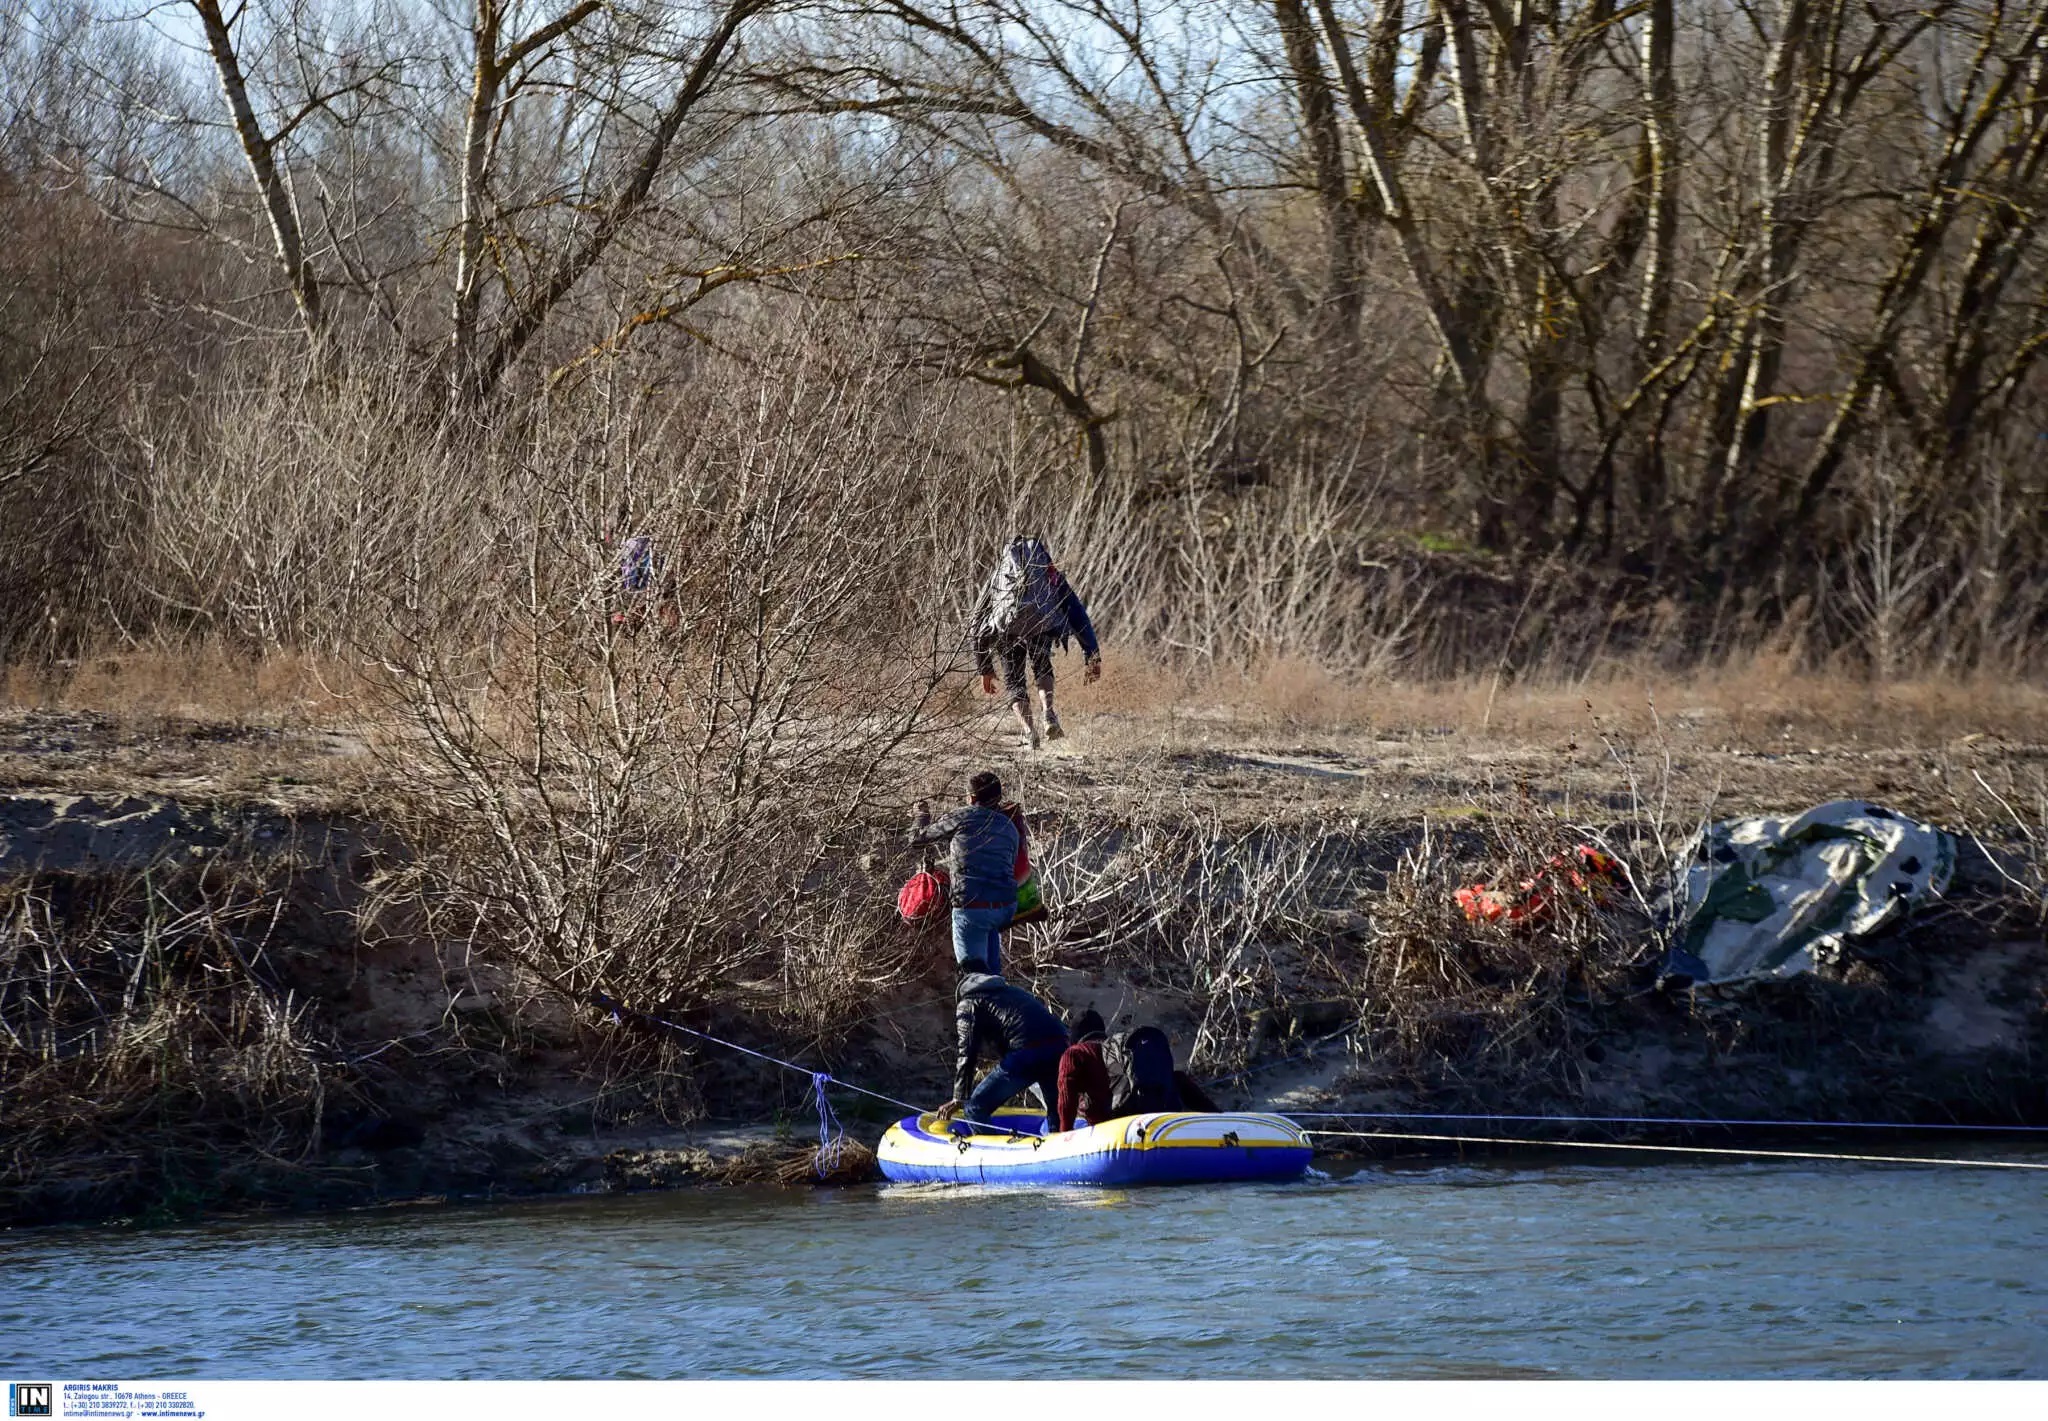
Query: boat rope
point(831, 1134)
point(1308, 1050)
point(1657, 1120)
point(1675, 1149)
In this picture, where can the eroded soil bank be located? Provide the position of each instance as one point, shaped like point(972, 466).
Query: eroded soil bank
point(215, 1002)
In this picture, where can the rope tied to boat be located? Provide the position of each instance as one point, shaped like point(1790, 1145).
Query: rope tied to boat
point(831, 1134)
point(832, 1137)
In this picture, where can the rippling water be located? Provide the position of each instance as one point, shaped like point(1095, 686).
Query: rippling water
point(1671, 1271)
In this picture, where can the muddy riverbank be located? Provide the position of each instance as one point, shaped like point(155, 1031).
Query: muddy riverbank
point(219, 1000)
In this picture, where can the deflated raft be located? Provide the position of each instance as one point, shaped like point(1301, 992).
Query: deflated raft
point(1164, 1148)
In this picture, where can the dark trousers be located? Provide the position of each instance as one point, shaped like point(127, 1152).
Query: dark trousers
point(1039, 653)
point(1028, 1066)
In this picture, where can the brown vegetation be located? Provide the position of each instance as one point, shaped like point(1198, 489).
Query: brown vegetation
point(1412, 335)
point(1256, 881)
point(1417, 379)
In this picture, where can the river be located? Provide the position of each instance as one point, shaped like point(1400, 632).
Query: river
point(1725, 1270)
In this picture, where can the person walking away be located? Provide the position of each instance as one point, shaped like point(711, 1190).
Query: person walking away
point(1025, 609)
point(1084, 1078)
point(993, 1017)
point(645, 580)
point(982, 863)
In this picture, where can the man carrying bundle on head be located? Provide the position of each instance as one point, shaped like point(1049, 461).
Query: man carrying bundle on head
point(1025, 609)
point(995, 1018)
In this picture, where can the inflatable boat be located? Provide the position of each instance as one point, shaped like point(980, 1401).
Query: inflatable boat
point(1165, 1148)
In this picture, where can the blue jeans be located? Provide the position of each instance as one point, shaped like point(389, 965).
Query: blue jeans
point(1029, 1066)
point(978, 932)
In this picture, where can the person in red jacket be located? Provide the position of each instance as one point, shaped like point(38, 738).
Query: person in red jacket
point(1084, 1077)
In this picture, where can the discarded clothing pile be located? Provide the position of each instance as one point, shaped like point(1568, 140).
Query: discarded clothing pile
point(1589, 870)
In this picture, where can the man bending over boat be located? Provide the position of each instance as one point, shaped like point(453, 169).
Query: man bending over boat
point(991, 1016)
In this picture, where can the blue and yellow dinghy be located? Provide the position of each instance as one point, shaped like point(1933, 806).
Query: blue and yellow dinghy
point(1164, 1148)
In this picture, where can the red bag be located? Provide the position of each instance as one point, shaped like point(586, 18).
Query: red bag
point(923, 896)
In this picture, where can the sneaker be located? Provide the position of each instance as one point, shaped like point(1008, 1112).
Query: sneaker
point(1053, 731)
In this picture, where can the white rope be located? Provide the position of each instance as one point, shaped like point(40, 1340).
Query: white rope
point(1674, 1149)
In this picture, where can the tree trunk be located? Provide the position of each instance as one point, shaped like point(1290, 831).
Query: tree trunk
point(259, 151)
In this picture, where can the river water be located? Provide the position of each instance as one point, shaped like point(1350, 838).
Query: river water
point(1733, 1270)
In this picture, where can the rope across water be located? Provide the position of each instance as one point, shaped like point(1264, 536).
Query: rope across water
point(1677, 1149)
point(1659, 1120)
point(832, 1134)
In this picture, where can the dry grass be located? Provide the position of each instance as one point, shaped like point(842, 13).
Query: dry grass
point(148, 1049)
point(1757, 701)
point(1308, 889)
point(207, 679)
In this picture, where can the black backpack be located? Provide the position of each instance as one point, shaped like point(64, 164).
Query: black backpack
point(1140, 1066)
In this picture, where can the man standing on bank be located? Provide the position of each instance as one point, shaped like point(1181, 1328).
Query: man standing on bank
point(981, 868)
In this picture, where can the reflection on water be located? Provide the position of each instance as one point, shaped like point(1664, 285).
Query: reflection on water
point(1765, 1270)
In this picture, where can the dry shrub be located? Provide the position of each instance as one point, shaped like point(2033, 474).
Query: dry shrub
point(281, 516)
point(143, 1030)
point(2004, 813)
point(1505, 1006)
point(1222, 917)
point(665, 794)
point(1238, 921)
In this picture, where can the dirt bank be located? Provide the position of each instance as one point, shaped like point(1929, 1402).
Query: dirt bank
point(215, 1003)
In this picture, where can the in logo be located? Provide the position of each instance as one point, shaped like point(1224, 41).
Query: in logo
point(29, 1399)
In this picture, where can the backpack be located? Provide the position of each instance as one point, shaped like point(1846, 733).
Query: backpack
point(1140, 1066)
point(1030, 896)
point(636, 563)
point(1025, 601)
